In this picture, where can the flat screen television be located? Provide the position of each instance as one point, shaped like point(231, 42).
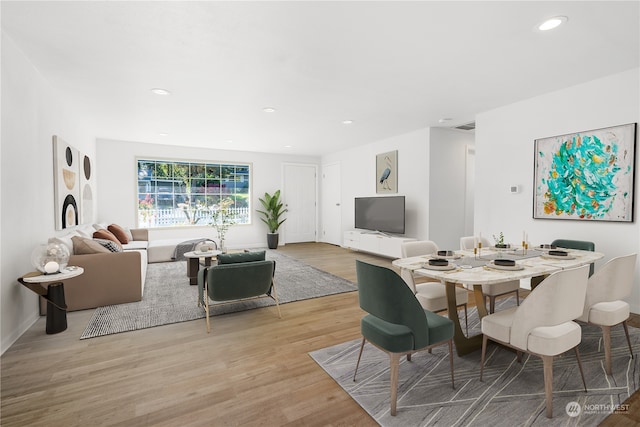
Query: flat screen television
point(384, 214)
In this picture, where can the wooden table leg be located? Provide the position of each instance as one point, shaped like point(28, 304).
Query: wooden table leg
point(464, 344)
point(193, 265)
point(481, 303)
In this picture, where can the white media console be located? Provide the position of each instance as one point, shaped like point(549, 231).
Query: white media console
point(376, 243)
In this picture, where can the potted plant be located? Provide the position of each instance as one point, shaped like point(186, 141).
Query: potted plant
point(273, 210)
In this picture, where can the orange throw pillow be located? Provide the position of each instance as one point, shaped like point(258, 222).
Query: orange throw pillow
point(106, 234)
point(119, 232)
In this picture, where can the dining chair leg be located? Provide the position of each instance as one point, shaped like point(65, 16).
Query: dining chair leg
point(484, 352)
point(606, 338)
point(395, 367)
point(453, 384)
point(206, 311)
point(492, 304)
point(547, 362)
point(517, 297)
point(626, 332)
point(359, 356)
point(466, 320)
point(580, 366)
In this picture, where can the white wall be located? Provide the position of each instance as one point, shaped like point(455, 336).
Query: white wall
point(504, 156)
point(447, 178)
point(117, 174)
point(31, 114)
point(358, 173)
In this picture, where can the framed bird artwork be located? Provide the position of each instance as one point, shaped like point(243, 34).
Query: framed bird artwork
point(387, 172)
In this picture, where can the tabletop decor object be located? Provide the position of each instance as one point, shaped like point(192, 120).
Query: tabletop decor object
point(50, 258)
point(586, 175)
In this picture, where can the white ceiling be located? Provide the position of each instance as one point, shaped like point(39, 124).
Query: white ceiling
point(391, 67)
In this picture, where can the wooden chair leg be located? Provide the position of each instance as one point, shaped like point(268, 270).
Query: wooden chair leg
point(395, 366)
point(275, 297)
point(547, 362)
point(606, 338)
point(492, 304)
point(517, 297)
point(626, 332)
point(359, 356)
point(580, 366)
point(409, 357)
point(484, 352)
point(205, 296)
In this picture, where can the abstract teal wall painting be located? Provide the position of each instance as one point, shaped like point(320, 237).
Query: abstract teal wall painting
point(586, 175)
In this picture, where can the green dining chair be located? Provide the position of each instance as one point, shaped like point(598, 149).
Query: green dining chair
point(581, 245)
point(396, 323)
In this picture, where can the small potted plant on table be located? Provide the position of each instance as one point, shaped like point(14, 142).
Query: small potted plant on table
point(273, 211)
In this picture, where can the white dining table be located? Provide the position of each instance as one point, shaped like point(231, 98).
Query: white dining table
point(476, 270)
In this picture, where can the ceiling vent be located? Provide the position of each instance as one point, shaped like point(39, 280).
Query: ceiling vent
point(467, 126)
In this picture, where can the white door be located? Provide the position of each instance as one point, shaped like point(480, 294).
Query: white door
point(330, 201)
point(299, 197)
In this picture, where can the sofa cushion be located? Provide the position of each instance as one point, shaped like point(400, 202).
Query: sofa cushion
point(109, 245)
point(241, 257)
point(85, 245)
point(119, 232)
point(107, 235)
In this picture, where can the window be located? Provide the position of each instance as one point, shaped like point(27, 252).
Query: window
point(173, 193)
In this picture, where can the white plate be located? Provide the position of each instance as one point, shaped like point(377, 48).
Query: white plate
point(439, 267)
point(557, 257)
point(505, 267)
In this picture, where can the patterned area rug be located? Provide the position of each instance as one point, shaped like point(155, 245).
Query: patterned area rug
point(511, 394)
point(168, 297)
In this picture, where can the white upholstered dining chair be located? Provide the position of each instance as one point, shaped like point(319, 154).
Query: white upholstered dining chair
point(497, 289)
point(603, 305)
point(431, 294)
point(543, 324)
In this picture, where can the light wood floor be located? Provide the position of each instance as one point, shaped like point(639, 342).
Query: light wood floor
point(253, 369)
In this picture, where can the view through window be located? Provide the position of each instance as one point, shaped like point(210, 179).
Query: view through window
point(180, 193)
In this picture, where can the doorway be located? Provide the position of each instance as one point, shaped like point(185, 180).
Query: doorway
point(331, 205)
point(299, 198)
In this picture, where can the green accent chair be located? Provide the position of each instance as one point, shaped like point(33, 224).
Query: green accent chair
point(581, 245)
point(240, 276)
point(396, 323)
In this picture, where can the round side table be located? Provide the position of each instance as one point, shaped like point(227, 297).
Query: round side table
point(193, 263)
point(51, 288)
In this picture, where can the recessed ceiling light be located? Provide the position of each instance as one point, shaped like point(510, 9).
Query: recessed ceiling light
point(163, 134)
point(347, 122)
point(269, 110)
point(287, 146)
point(444, 120)
point(160, 91)
point(551, 23)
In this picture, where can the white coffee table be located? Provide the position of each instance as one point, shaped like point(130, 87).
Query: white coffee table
point(193, 263)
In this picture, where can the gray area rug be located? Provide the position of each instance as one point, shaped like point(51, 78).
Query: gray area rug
point(511, 394)
point(168, 297)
